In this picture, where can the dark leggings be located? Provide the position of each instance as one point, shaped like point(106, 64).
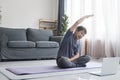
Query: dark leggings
point(63, 62)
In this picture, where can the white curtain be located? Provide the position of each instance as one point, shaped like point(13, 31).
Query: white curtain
point(103, 35)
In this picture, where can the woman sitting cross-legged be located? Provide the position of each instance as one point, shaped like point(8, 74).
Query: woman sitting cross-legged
point(68, 55)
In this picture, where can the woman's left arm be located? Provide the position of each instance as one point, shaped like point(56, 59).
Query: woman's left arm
point(74, 57)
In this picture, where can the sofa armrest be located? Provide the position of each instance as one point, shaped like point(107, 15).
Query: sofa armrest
point(3, 41)
point(56, 38)
point(3, 44)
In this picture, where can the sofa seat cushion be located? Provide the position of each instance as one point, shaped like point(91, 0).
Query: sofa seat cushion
point(21, 44)
point(48, 44)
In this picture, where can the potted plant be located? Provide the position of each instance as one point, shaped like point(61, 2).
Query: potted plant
point(64, 24)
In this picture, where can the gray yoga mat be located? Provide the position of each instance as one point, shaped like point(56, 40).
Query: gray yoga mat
point(46, 69)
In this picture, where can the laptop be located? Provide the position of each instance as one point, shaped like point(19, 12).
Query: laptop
point(109, 67)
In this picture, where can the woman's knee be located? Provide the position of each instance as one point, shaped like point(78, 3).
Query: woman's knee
point(83, 59)
point(87, 58)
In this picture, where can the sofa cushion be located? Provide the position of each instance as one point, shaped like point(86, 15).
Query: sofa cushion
point(14, 34)
point(56, 38)
point(21, 44)
point(47, 44)
point(38, 35)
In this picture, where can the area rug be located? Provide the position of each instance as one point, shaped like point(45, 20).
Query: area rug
point(44, 71)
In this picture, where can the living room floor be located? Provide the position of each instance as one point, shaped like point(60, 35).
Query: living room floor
point(51, 62)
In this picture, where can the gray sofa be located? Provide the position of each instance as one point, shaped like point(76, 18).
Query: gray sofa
point(18, 44)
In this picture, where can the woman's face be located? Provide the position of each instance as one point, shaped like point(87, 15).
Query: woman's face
point(79, 34)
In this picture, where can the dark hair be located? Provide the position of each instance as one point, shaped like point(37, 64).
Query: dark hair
point(79, 28)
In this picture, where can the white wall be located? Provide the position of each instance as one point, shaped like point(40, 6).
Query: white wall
point(26, 13)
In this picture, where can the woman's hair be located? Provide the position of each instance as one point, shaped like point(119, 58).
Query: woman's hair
point(79, 28)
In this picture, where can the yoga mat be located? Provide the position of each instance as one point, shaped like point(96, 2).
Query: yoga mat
point(12, 76)
point(45, 69)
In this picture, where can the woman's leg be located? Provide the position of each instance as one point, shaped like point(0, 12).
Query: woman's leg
point(82, 60)
point(63, 62)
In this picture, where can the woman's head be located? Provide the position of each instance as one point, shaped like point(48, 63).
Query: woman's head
point(80, 32)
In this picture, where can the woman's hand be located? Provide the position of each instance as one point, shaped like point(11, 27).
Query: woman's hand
point(87, 16)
